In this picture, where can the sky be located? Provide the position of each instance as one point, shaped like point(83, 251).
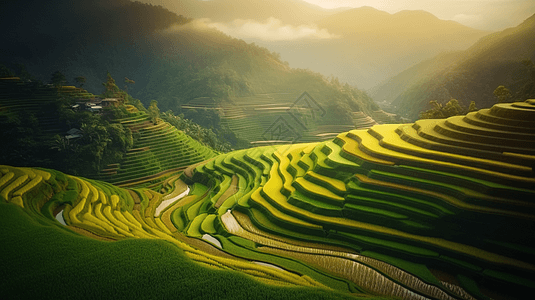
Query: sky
point(480, 14)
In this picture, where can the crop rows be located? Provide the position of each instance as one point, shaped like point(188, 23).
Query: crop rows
point(110, 212)
point(431, 198)
point(160, 151)
point(434, 209)
point(251, 118)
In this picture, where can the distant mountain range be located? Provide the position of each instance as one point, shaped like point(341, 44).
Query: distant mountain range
point(294, 12)
point(470, 75)
point(377, 44)
point(366, 45)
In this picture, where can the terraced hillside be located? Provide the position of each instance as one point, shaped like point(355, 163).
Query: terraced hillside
point(159, 152)
point(255, 118)
point(47, 210)
point(438, 209)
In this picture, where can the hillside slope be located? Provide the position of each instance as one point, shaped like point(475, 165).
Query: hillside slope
point(159, 151)
point(468, 76)
point(366, 45)
point(120, 144)
point(390, 89)
point(173, 60)
point(126, 252)
point(437, 209)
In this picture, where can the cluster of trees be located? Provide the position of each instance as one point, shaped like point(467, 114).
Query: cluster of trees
point(502, 94)
point(102, 142)
point(27, 142)
point(451, 108)
point(523, 86)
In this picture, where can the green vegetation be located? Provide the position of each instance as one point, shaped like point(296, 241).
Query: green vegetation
point(116, 144)
point(430, 209)
point(452, 108)
point(424, 198)
point(437, 209)
point(141, 268)
point(502, 93)
point(218, 82)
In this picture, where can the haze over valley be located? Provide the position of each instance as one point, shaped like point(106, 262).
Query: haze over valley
point(360, 42)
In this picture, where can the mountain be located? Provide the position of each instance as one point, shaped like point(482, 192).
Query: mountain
point(388, 43)
point(173, 60)
point(294, 12)
point(361, 46)
point(367, 46)
point(471, 75)
point(391, 88)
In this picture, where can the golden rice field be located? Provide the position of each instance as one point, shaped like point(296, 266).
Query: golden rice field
point(438, 209)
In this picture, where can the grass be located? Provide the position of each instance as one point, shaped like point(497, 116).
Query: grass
point(140, 268)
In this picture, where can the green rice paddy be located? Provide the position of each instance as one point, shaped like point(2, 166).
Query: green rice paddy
point(439, 209)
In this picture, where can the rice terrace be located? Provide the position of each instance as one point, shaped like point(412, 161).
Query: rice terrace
point(221, 172)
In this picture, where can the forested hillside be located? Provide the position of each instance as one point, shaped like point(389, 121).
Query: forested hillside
point(503, 58)
point(360, 45)
point(62, 127)
point(172, 59)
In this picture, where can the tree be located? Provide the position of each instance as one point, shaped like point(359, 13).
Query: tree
point(23, 73)
point(154, 112)
point(453, 108)
point(472, 106)
point(58, 79)
point(433, 113)
point(111, 88)
point(439, 111)
point(502, 94)
point(80, 80)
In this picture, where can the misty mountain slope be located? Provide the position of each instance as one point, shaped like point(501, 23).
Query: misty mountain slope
point(366, 46)
point(295, 12)
point(362, 46)
point(388, 90)
point(82, 38)
point(495, 60)
point(172, 61)
point(388, 43)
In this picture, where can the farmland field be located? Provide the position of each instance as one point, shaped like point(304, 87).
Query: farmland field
point(430, 210)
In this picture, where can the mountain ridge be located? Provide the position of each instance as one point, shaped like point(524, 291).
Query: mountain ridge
point(472, 75)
